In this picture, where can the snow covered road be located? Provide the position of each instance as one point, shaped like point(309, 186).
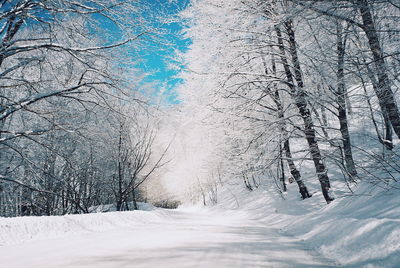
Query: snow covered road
point(177, 238)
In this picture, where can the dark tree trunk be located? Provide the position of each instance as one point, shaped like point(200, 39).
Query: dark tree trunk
point(13, 26)
point(282, 168)
point(387, 140)
point(299, 96)
point(119, 205)
point(383, 89)
point(286, 144)
point(246, 182)
point(341, 101)
point(119, 194)
point(135, 205)
point(295, 173)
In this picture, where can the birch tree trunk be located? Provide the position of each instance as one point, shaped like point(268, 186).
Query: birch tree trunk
point(286, 143)
point(384, 91)
point(299, 96)
point(341, 101)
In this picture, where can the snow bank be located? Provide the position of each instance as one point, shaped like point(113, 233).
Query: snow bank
point(20, 229)
point(113, 207)
point(354, 230)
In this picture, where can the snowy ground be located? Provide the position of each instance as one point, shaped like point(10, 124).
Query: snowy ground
point(159, 238)
point(359, 230)
point(257, 229)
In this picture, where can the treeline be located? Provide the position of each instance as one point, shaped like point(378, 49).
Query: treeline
point(75, 128)
point(297, 81)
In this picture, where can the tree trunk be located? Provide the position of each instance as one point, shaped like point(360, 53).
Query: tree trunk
point(387, 140)
point(384, 91)
point(341, 101)
point(120, 171)
point(135, 205)
point(388, 131)
point(13, 26)
point(295, 173)
point(286, 144)
point(282, 167)
point(299, 96)
point(119, 204)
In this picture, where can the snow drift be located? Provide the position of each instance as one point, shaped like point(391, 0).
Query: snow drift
point(356, 230)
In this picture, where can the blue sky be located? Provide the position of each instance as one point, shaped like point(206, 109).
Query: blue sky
point(157, 59)
point(156, 56)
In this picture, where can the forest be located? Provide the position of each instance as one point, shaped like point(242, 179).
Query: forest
point(269, 93)
point(295, 86)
